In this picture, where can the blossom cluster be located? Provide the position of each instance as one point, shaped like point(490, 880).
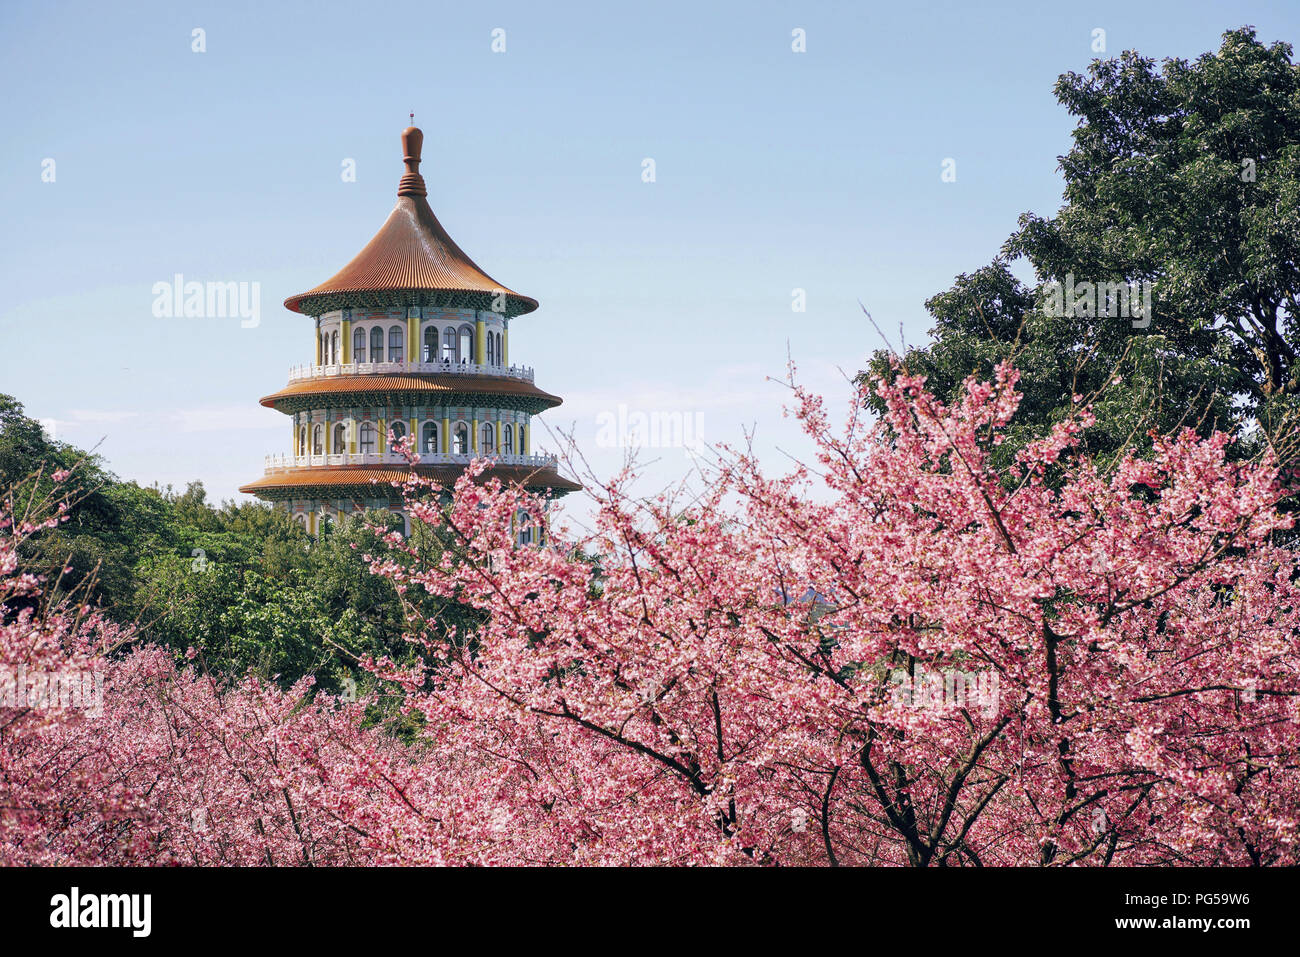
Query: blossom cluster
point(715, 681)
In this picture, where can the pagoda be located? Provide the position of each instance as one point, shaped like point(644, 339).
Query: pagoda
point(411, 339)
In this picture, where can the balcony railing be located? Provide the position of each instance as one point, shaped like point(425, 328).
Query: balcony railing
point(285, 463)
point(297, 373)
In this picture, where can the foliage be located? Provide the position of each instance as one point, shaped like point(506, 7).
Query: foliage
point(730, 693)
point(1139, 629)
point(1187, 177)
point(243, 585)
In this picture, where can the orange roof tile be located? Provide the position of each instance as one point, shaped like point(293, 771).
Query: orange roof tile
point(357, 476)
point(412, 253)
point(414, 382)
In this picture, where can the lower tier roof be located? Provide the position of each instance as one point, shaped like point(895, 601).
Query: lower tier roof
point(352, 479)
point(298, 395)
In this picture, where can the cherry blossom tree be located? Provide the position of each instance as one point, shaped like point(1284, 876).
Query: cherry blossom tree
point(896, 655)
point(936, 663)
point(160, 764)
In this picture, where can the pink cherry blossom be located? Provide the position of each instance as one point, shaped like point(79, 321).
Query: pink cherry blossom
point(896, 655)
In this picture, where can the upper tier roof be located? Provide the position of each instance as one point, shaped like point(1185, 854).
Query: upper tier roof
point(411, 259)
point(430, 384)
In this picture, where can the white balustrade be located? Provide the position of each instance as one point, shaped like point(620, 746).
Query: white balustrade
point(284, 463)
point(300, 372)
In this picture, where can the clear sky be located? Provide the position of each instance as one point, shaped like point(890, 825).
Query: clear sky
point(774, 171)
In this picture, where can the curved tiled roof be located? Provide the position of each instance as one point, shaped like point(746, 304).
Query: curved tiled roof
point(415, 382)
point(411, 254)
point(342, 477)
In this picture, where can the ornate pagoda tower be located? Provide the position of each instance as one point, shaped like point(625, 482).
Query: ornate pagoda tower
point(410, 337)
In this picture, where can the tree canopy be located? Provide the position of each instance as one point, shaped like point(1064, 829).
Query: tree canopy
point(1183, 175)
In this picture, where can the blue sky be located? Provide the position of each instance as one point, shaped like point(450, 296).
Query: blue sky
point(774, 171)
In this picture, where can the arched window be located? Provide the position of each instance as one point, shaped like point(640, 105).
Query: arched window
point(359, 345)
point(302, 440)
point(460, 439)
point(318, 440)
point(334, 347)
point(508, 439)
point(376, 344)
point(487, 439)
point(398, 429)
point(466, 353)
point(395, 344)
point(450, 346)
point(501, 350)
point(491, 349)
point(340, 438)
point(430, 344)
point(302, 519)
point(367, 437)
point(429, 438)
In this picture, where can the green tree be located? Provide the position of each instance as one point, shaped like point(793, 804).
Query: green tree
point(242, 585)
point(1186, 177)
point(110, 523)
